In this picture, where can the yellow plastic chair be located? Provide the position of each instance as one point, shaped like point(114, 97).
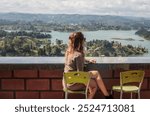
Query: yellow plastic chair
point(76, 77)
point(127, 78)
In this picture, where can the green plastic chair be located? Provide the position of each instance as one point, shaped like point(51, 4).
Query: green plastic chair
point(127, 80)
point(76, 77)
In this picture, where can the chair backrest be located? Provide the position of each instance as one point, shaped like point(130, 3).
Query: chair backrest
point(76, 77)
point(131, 76)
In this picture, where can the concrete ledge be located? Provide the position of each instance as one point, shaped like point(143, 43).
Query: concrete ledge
point(60, 60)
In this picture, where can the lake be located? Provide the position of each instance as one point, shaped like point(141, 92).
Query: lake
point(124, 37)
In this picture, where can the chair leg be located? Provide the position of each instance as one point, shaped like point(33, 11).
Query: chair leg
point(121, 94)
point(66, 95)
point(86, 93)
point(131, 95)
point(139, 95)
point(112, 92)
point(86, 96)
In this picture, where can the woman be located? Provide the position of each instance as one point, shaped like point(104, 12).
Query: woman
point(75, 62)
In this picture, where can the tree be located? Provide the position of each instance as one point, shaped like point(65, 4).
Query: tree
point(59, 42)
point(56, 51)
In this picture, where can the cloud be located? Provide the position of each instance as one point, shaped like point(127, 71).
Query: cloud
point(109, 7)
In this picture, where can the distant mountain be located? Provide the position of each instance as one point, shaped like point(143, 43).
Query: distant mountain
point(143, 33)
point(23, 17)
point(97, 21)
point(70, 18)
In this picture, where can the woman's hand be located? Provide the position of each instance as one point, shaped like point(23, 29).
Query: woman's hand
point(90, 60)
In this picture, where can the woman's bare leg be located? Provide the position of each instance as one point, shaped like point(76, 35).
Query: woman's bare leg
point(99, 81)
point(92, 89)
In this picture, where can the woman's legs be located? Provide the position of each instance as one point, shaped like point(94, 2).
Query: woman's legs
point(92, 88)
point(95, 75)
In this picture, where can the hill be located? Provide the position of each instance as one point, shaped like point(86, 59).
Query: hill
point(89, 22)
point(143, 33)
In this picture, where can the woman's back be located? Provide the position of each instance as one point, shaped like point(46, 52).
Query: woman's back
point(74, 62)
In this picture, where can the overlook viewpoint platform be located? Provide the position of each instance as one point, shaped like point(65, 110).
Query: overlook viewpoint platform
point(41, 77)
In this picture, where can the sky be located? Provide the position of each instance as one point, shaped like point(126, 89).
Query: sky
point(140, 8)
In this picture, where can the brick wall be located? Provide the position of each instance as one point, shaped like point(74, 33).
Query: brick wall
point(44, 81)
point(45, 84)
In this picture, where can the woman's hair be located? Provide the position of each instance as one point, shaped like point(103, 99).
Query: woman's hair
point(76, 43)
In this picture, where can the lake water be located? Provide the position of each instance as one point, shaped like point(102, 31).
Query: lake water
point(108, 35)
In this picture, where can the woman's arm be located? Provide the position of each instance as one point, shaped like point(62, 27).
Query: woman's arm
point(90, 60)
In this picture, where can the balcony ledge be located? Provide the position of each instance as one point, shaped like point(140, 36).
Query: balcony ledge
point(60, 60)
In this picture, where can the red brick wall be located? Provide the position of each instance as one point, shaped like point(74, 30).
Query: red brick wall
point(31, 84)
point(47, 84)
